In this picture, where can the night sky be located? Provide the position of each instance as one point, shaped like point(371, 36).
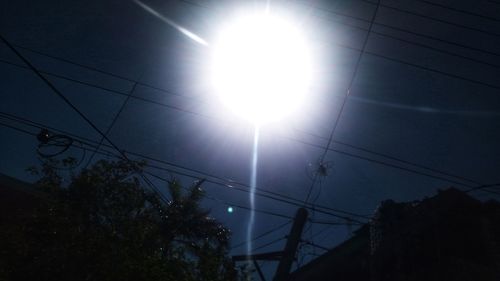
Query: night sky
point(423, 113)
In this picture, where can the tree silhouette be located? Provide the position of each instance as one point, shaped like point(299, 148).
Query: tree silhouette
point(104, 224)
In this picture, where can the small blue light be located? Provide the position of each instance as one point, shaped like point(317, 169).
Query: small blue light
point(229, 209)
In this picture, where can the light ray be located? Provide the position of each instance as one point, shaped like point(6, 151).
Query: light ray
point(426, 109)
point(253, 184)
point(172, 23)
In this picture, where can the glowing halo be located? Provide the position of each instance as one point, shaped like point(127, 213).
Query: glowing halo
point(261, 68)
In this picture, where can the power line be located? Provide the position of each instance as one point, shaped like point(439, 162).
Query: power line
point(280, 198)
point(423, 35)
point(234, 185)
point(274, 229)
point(420, 44)
point(270, 243)
point(409, 41)
point(303, 142)
point(465, 12)
point(109, 90)
point(369, 151)
point(231, 185)
point(227, 203)
point(130, 80)
point(110, 127)
point(444, 73)
point(98, 70)
point(351, 222)
point(72, 106)
point(348, 92)
point(433, 48)
point(333, 222)
point(119, 150)
point(374, 32)
point(465, 179)
point(315, 245)
point(59, 94)
point(206, 116)
point(479, 30)
point(483, 186)
point(416, 14)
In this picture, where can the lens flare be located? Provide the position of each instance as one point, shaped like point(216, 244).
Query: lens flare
point(172, 23)
point(260, 67)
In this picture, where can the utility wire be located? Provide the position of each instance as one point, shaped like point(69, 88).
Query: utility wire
point(465, 12)
point(213, 198)
point(371, 22)
point(112, 123)
point(230, 185)
point(372, 31)
point(478, 30)
point(274, 229)
point(390, 27)
point(109, 90)
point(348, 92)
point(122, 107)
point(72, 106)
point(387, 156)
point(484, 186)
point(190, 112)
point(269, 243)
point(315, 245)
point(333, 222)
point(221, 181)
point(431, 18)
point(130, 80)
point(396, 28)
point(227, 203)
point(293, 139)
point(100, 151)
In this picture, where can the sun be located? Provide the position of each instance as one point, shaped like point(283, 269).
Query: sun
point(261, 67)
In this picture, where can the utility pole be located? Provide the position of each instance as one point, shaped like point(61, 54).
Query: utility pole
point(288, 256)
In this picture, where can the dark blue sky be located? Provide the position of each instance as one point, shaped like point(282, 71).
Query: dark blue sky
point(427, 91)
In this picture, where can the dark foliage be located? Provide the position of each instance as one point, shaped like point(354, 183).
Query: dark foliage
point(103, 224)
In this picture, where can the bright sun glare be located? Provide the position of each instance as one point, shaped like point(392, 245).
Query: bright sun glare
point(261, 67)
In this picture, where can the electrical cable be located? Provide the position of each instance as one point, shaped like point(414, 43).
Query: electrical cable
point(318, 222)
point(72, 106)
point(269, 243)
point(165, 180)
point(130, 80)
point(383, 25)
point(430, 18)
point(315, 245)
point(318, 146)
point(348, 92)
point(47, 140)
point(225, 183)
point(226, 202)
point(293, 139)
point(465, 12)
point(478, 30)
point(110, 127)
point(217, 183)
point(262, 234)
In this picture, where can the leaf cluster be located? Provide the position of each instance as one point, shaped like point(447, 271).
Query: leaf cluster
point(104, 224)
